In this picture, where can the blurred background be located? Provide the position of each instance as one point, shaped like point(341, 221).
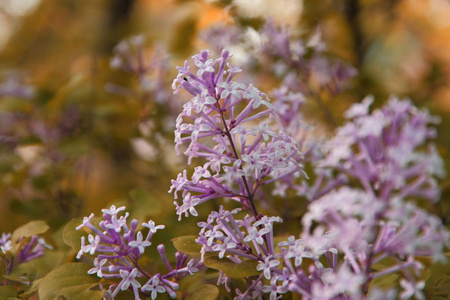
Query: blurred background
point(87, 120)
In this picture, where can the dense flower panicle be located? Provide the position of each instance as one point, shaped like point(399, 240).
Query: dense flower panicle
point(281, 266)
point(32, 248)
point(227, 124)
point(350, 214)
point(375, 222)
point(305, 72)
point(361, 226)
point(240, 240)
point(410, 230)
point(117, 246)
point(387, 150)
point(224, 234)
point(346, 230)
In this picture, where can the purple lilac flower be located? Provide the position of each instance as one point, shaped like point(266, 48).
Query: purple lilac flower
point(288, 108)
point(240, 240)
point(221, 36)
point(297, 67)
point(154, 287)
point(222, 123)
point(32, 248)
point(118, 246)
point(299, 63)
point(346, 230)
point(305, 72)
point(14, 86)
point(130, 56)
point(228, 229)
point(349, 229)
point(378, 220)
point(223, 279)
point(387, 151)
point(274, 289)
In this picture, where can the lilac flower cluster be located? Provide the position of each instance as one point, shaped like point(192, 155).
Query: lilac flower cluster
point(223, 233)
point(288, 106)
point(383, 151)
point(19, 124)
point(130, 56)
point(118, 247)
point(239, 240)
point(14, 86)
point(300, 64)
point(14, 252)
point(149, 87)
point(27, 250)
point(216, 124)
point(387, 150)
point(304, 72)
point(351, 234)
point(314, 266)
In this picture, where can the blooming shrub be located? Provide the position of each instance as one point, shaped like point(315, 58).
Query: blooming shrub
point(281, 210)
point(348, 230)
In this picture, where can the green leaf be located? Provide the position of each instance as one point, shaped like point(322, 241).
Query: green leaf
point(246, 268)
point(71, 236)
point(205, 292)
point(7, 291)
point(385, 282)
point(26, 231)
point(23, 273)
point(74, 147)
point(70, 281)
point(143, 205)
point(29, 229)
point(39, 267)
point(442, 287)
point(31, 289)
point(187, 245)
point(18, 278)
